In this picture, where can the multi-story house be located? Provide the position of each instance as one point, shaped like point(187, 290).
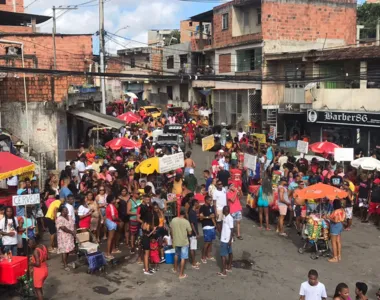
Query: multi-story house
point(244, 32)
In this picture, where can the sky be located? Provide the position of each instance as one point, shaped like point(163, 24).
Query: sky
point(129, 18)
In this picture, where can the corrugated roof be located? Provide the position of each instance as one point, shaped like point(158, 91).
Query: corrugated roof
point(347, 53)
point(97, 118)
point(9, 18)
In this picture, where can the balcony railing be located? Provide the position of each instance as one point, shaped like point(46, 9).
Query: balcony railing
point(294, 95)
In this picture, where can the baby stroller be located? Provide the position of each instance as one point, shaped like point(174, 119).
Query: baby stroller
point(88, 252)
point(315, 232)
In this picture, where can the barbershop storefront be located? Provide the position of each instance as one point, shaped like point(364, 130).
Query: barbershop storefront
point(358, 130)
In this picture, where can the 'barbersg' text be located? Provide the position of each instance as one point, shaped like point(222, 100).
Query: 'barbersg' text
point(346, 117)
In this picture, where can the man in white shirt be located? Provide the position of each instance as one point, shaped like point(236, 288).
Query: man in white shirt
point(241, 133)
point(283, 159)
point(313, 289)
point(220, 200)
point(226, 242)
point(80, 165)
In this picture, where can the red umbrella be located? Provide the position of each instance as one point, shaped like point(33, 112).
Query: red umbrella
point(129, 117)
point(12, 165)
point(118, 143)
point(324, 147)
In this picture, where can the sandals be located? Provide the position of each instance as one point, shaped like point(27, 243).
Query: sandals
point(183, 277)
point(333, 260)
point(109, 257)
point(229, 270)
point(211, 258)
point(116, 251)
point(204, 261)
point(268, 229)
point(67, 269)
point(284, 234)
point(240, 238)
point(195, 267)
point(221, 274)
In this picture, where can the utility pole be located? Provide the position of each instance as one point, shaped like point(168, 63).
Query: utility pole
point(102, 49)
point(55, 30)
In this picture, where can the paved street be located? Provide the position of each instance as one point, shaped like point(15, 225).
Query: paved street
point(276, 271)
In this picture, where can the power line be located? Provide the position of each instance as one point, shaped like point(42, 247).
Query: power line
point(30, 4)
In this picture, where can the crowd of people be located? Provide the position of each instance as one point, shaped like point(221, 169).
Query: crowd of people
point(150, 214)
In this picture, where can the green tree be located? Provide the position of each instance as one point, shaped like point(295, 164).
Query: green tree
point(174, 38)
point(367, 15)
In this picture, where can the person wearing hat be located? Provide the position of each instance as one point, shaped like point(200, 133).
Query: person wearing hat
point(283, 205)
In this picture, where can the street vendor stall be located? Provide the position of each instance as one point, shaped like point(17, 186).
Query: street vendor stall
point(12, 165)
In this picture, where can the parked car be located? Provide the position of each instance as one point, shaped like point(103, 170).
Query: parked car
point(152, 110)
point(175, 110)
point(165, 139)
point(173, 128)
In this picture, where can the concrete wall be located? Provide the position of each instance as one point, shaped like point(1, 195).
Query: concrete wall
point(175, 51)
point(239, 27)
point(299, 25)
point(42, 126)
point(226, 37)
point(226, 67)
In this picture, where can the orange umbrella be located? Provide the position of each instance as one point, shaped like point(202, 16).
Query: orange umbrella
point(320, 190)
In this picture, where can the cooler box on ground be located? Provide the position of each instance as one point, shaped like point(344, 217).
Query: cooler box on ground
point(11, 271)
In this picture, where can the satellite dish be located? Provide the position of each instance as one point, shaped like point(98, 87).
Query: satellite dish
point(310, 86)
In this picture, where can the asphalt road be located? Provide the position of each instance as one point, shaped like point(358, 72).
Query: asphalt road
point(267, 267)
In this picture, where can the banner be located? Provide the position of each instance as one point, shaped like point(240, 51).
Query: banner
point(250, 161)
point(208, 142)
point(272, 132)
point(261, 137)
point(343, 154)
point(302, 147)
point(22, 200)
point(171, 162)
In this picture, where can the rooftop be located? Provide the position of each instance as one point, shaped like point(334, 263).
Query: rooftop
point(203, 17)
point(346, 53)
point(9, 18)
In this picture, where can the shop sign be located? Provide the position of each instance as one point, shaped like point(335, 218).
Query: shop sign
point(288, 144)
point(343, 118)
point(343, 154)
point(287, 108)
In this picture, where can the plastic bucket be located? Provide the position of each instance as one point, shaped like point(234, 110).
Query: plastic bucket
point(169, 256)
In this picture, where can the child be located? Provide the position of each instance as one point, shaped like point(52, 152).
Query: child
point(166, 245)
point(154, 253)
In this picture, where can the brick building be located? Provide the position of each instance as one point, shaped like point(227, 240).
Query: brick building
point(244, 32)
point(38, 116)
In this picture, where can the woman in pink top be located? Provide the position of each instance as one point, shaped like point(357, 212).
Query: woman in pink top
point(233, 198)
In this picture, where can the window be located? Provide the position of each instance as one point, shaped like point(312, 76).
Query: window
point(170, 62)
point(147, 58)
point(3, 1)
point(13, 50)
point(249, 60)
point(133, 62)
point(169, 91)
point(246, 18)
point(258, 16)
point(183, 59)
point(225, 21)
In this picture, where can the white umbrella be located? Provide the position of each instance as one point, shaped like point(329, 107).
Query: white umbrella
point(366, 163)
point(310, 157)
point(132, 95)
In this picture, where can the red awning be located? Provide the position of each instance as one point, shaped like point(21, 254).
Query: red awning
point(12, 165)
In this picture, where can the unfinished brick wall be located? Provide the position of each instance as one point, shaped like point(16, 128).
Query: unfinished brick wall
point(74, 52)
point(8, 6)
point(303, 20)
point(156, 62)
point(223, 37)
point(39, 88)
point(188, 29)
point(225, 63)
point(15, 29)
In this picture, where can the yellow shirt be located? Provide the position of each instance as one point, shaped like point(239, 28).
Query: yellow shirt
point(53, 206)
point(96, 166)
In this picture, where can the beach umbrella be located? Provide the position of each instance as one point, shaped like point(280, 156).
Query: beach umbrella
point(148, 166)
point(319, 191)
point(366, 163)
point(12, 165)
point(323, 147)
point(119, 143)
point(129, 117)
